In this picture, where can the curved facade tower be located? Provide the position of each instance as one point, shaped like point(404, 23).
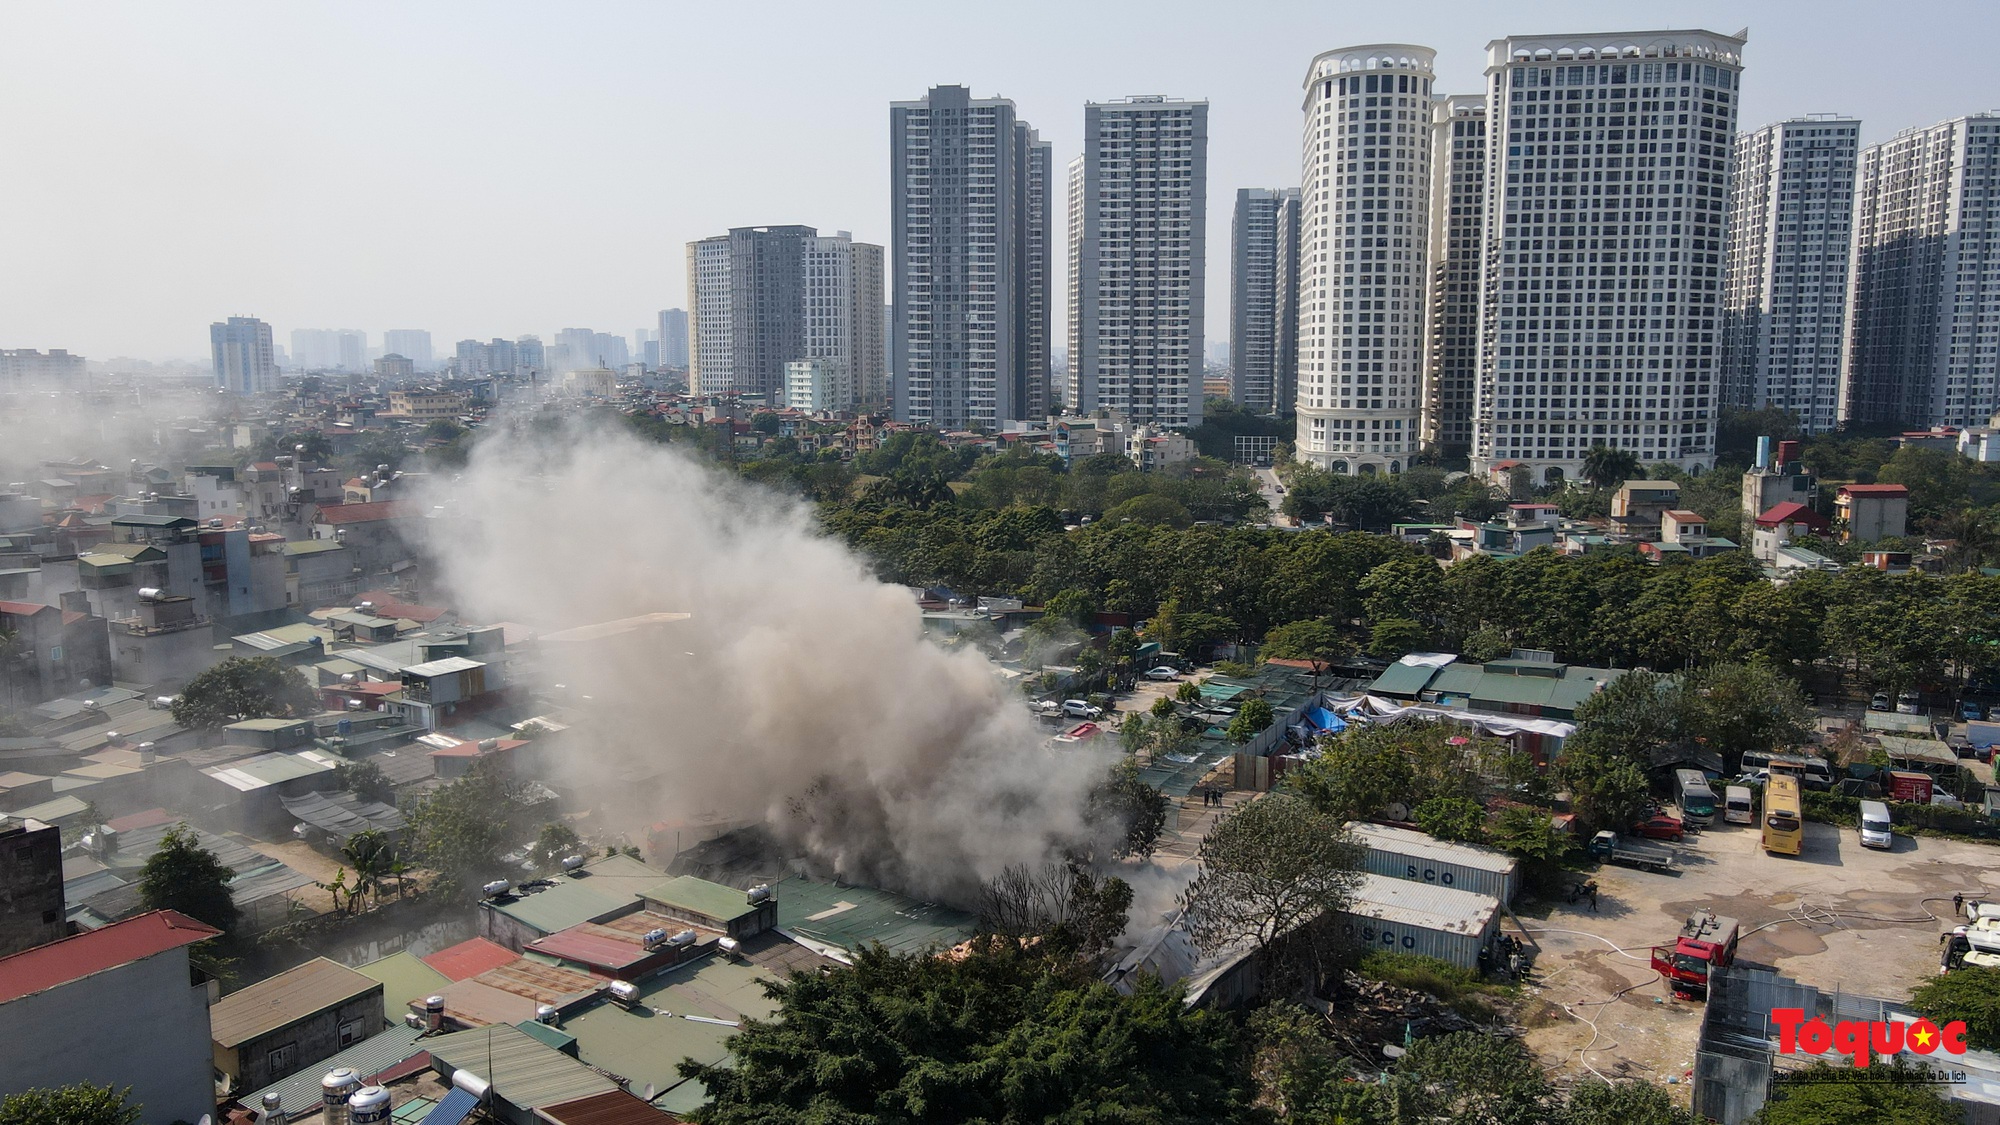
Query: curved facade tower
point(1363, 246)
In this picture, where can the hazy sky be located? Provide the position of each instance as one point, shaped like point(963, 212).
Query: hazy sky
point(497, 169)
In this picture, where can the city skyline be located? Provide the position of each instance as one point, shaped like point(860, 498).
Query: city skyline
point(124, 265)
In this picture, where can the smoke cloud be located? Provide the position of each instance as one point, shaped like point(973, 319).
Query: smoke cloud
point(799, 694)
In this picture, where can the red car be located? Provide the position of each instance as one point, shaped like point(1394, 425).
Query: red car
point(1660, 827)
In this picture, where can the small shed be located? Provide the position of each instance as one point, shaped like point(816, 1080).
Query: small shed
point(1403, 916)
point(1401, 853)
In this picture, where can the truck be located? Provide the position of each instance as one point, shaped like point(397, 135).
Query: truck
point(1613, 848)
point(1706, 940)
point(1909, 785)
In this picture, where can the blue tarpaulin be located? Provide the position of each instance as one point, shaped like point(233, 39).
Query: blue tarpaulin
point(1324, 720)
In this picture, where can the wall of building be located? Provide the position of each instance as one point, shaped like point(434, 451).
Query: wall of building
point(142, 1025)
point(295, 1047)
point(31, 885)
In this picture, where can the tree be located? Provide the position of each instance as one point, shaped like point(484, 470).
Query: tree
point(1623, 1103)
point(1969, 994)
point(1075, 910)
point(182, 875)
point(1188, 692)
point(1394, 636)
point(1355, 776)
point(1532, 836)
point(372, 857)
point(1250, 720)
point(81, 1104)
point(1605, 467)
point(243, 687)
point(366, 780)
point(1453, 818)
point(553, 844)
point(1003, 1033)
point(1470, 1078)
point(1732, 708)
point(1305, 1077)
point(1638, 716)
point(1133, 812)
point(1163, 707)
point(1316, 642)
point(458, 830)
point(1606, 790)
point(1270, 872)
point(1884, 1094)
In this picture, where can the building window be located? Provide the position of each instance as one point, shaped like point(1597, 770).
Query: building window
point(279, 1059)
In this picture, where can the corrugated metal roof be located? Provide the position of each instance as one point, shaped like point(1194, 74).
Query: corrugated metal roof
point(469, 958)
point(1402, 679)
point(561, 906)
point(619, 1108)
point(278, 1001)
point(524, 1073)
point(121, 943)
point(1421, 904)
point(511, 992)
point(1406, 842)
point(271, 769)
point(647, 1047)
point(53, 811)
point(373, 1055)
point(443, 667)
point(405, 978)
point(699, 896)
point(851, 918)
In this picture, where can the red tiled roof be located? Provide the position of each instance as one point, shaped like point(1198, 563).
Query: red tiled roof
point(24, 609)
point(1791, 511)
point(72, 616)
point(390, 606)
point(613, 1107)
point(121, 943)
point(367, 513)
point(1873, 490)
point(468, 959)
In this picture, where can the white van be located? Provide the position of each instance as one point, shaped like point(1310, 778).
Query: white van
point(1736, 807)
point(1875, 832)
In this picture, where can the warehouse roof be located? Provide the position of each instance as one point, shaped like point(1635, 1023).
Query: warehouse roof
point(121, 943)
point(699, 896)
point(1421, 904)
point(404, 978)
point(274, 768)
point(524, 1073)
point(285, 999)
point(693, 1010)
point(834, 919)
point(470, 958)
point(1407, 842)
point(510, 993)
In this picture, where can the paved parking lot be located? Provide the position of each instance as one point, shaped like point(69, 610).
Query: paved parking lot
point(1839, 916)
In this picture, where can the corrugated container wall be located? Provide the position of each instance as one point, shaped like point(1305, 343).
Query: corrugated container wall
point(1372, 934)
point(1402, 854)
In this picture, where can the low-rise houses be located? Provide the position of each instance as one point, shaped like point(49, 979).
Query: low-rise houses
point(1872, 512)
point(282, 1024)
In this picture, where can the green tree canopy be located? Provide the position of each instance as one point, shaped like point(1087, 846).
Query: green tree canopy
point(182, 875)
point(1969, 994)
point(1250, 720)
point(1317, 642)
point(243, 687)
point(1271, 871)
point(460, 830)
point(81, 1104)
point(1623, 1103)
point(1605, 467)
point(555, 842)
point(1453, 818)
point(1133, 812)
point(1606, 790)
point(1824, 1092)
point(1470, 1078)
point(1004, 1034)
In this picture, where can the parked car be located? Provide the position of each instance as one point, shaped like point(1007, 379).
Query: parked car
point(1906, 703)
point(1659, 827)
point(1045, 707)
point(1971, 712)
point(1880, 702)
point(1163, 672)
point(1078, 709)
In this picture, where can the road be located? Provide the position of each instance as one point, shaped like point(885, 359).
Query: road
point(1272, 491)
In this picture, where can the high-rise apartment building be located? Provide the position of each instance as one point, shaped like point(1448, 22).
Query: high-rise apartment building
point(330, 349)
point(673, 338)
point(411, 343)
point(1784, 278)
point(241, 354)
point(1458, 210)
point(1364, 234)
point(1285, 351)
point(1141, 254)
point(530, 358)
point(1606, 178)
point(1923, 329)
point(970, 248)
point(29, 368)
point(1256, 339)
point(765, 297)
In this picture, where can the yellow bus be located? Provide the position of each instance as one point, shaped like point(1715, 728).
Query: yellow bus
point(1784, 830)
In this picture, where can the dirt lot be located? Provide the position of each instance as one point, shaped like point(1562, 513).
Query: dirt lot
point(1594, 1004)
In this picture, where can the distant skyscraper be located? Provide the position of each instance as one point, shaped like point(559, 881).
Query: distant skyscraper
point(530, 357)
point(351, 349)
point(1285, 352)
point(765, 297)
point(868, 361)
point(412, 343)
point(1141, 248)
point(1254, 304)
point(1625, 352)
point(240, 350)
point(607, 349)
point(673, 338)
point(1367, 186)
point(1923, 332)
point(1458, 209)
point(1784, 277)
point(970, 242)
point(330, 349)
point(28, 368)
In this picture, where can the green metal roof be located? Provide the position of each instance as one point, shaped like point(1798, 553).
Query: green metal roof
point(646, 1047)
point(1406, 680)
point(525, 1072)
point(553, 1036)
point(711, 900)
point(312, 546)
point(850, 918)
point(404, 978)
point(564, 905)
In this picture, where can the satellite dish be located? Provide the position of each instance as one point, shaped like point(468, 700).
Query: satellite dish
point(1397, 810)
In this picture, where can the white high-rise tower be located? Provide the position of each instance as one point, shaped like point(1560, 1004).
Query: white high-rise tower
point(1364, 233)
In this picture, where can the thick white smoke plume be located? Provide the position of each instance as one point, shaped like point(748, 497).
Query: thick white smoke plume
point(800, 692)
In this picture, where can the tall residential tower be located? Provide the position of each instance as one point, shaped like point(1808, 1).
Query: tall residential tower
point(1606, 173)
point(1458, 211)
point(240, 349)
point(1140, 250)
point(1923, 333)
point(1784, 281)
point(1364, 232)
point(970, 206)
point(766, 297)
point(1258, 240)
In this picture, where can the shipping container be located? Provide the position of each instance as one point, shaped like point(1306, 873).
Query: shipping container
point(1401, 916)
point(1909, 785)
point(1400, 853)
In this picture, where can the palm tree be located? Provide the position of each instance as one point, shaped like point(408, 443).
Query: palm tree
point(369, 854)
point(1605, 467)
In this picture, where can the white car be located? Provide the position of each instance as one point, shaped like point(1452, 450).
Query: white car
point(1163, 672)
point(1078, 709)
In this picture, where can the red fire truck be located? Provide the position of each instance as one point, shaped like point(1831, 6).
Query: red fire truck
point(1707, 940)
